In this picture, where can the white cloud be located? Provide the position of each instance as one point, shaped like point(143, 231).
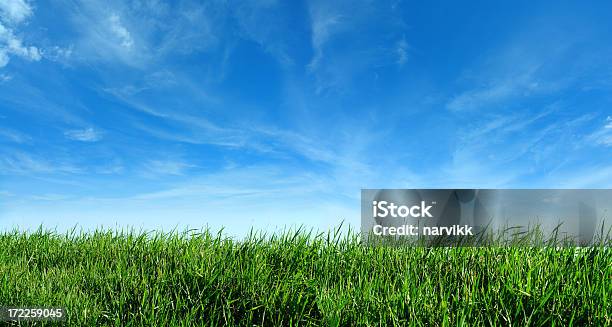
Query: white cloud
point(120, 31)
point(12, 45)
point(84, 135)
point(15, 11)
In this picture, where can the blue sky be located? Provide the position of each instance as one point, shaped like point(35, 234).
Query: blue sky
point(269, 113)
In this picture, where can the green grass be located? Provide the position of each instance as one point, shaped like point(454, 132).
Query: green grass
point(185, 279)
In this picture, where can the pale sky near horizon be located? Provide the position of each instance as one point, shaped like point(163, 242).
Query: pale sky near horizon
point(239, 114)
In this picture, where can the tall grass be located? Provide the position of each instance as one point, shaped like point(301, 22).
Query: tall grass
point(298, 278)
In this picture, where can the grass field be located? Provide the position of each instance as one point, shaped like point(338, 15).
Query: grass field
point(185, 279)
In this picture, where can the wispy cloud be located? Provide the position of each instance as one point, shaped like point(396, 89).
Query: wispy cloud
point(298, 143)
point(197, 128)
point(504, 150)
point(24, 163)
point(166, 167)
point(493, 93)
point(524, 66)
point(107, 33)
point(84, 135)
point(522, 82)
point(141, 34)
point(264, 23)
point(603, 134)
point(58, 54)
point(346, 41)
point(14, 136)
point(252, 181)
point(598, 176)
point(5, 78)
point(119, 31)
point(401, 50)
point(57, 107)
point(50, 197)
point(326, 21)
point(188, 128)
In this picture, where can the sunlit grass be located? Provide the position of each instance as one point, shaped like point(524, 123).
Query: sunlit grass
point(181, 279)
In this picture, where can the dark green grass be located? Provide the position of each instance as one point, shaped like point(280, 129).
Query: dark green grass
point(132, 279)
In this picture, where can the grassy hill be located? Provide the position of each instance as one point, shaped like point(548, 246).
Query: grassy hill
point(185, 279)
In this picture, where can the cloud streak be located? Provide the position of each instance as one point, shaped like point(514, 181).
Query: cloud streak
point(84, 135)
